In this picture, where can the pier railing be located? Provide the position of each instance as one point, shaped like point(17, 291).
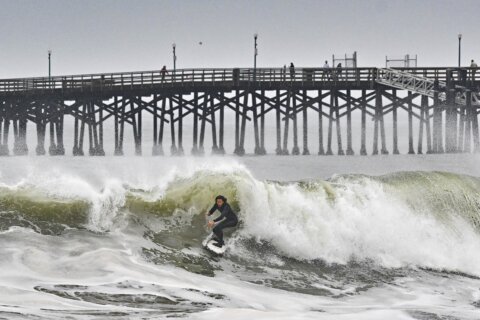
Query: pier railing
point(192, 77)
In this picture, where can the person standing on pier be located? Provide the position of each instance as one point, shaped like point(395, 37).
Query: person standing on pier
point(292, 71)
point(339, 70)
point(163, 72)
point(326, 70)
point(474, 67)
point(284, 75)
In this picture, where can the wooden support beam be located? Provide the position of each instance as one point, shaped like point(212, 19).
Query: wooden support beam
point(467, 146)
point(40, 149)
point(4, 146)
point(195, 124)
point(21, 147)
point(20, 128)
point(173, 147)
point(15, 135)
point(116, 125)
point(241, 148)
point(214, 125)
point(330, 124)
point(382, 125)
point(201, 148)
point(221, 148)
point(76, 147)
point(237, 122)
point(461, 128)
point(321, 151)
point(255, 125)
point(257, 150)
point(378, 103)
point(451, 133)
point(338, 127)
point(60, 133)
point(82, 127)
point(349, 124)
point(421, 124)
point(138, 144)
point(295, 149)
point(427, 127)
point(262, 124)
point(437, 122)
point(122, 129)
point(133, 116)
point(180, 151)
point(2, 151)
point(305, 125)
point(159, 149)
point(395, 121)
point(155, 128)
point(475, 132)
point(278, 149)
point(410, 124)
point(93, 151)
point(98, 149)
point(52, 150)
point(285, 127)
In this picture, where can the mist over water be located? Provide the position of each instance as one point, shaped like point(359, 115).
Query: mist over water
point(334, 238)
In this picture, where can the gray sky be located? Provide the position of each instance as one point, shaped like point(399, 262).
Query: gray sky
point(116, 35)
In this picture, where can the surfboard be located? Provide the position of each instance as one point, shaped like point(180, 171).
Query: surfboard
point(208, 244)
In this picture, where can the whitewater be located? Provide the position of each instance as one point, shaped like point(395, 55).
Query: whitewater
point(386, 237)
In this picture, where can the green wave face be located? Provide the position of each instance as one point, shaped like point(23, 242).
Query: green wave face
point(446, 195)
point(197, 192)
point(28, 207)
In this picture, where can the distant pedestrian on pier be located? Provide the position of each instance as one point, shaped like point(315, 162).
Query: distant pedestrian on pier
point(284, 75)
point(339, 71)
point(163, 72)
point(452, 79)
point(326, 70)
point(474, 67)
point(292, 71)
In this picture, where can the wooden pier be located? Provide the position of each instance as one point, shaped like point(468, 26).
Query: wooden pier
point(203, 97)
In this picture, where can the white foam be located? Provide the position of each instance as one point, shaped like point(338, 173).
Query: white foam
point(362, 221)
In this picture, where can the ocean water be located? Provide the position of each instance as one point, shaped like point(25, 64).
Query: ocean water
point(386, 237)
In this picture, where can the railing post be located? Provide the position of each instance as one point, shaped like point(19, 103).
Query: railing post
point(236, 76)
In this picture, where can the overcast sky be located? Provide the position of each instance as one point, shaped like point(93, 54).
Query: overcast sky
point(115, 35)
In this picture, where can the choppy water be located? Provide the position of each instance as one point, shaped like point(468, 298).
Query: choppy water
point(115, 238)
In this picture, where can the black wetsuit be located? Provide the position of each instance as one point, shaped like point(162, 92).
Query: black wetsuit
point(230, 221)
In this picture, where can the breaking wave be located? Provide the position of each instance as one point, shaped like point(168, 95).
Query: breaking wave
point(424, 219)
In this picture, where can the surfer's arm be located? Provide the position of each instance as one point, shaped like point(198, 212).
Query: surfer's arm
point(223, 215)
point(219, 218)
point(212, 210)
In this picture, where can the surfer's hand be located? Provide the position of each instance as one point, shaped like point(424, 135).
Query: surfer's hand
point(211, 223)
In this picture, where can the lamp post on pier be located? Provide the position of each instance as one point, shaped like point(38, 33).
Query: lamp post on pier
point(459, 48)
point(174, 47)
point(49, 64)
point(255, 53)
point(49, 67)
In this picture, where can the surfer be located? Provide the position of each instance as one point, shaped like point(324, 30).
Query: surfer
point(227, 219)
